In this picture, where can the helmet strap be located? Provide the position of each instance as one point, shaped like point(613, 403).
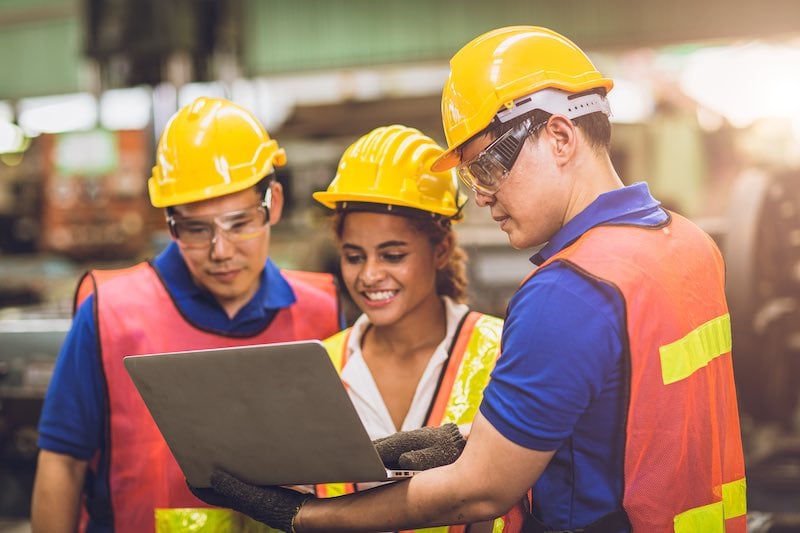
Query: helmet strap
point(169, 211)
point(557, 102)
point(266, 203)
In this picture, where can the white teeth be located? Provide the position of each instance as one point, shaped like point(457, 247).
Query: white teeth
point(378, 296)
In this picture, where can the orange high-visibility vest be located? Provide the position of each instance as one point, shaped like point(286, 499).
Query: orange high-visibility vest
point(683, 461)
point(466, 374)
point(135, 315)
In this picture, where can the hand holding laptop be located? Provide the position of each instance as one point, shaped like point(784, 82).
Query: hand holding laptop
point(418, 449)
point(421, 449)
point(274, 506)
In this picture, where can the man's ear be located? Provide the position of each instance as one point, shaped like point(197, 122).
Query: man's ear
point(276, 206)
point(564, 137)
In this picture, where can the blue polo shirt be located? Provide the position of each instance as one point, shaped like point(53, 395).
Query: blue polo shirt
point(560, 382)
point(73, 417)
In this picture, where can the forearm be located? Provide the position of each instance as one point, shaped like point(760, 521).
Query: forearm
point(57, 489)
point(491, 475)
point(426, 500)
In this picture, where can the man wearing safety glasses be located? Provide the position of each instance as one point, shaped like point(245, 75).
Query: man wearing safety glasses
point(102, 460)
point(613, 398)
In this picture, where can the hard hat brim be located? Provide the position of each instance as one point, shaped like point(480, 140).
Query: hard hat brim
point(330, 200)
point(447, 160)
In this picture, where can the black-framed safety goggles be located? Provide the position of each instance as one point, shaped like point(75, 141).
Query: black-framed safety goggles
point(485, 172)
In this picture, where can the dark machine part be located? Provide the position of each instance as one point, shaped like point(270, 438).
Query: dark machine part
point(150, 41)
point(30, 343)
point(21, 186)
point(762, 253)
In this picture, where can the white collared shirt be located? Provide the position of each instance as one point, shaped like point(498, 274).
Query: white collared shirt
point(364, 392)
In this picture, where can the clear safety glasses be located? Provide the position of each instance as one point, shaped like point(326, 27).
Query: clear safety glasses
point(235, 226)
point(485, 172)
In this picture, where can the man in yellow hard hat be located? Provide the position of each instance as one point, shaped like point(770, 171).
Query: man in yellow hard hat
point(103, 462)
point(613, 398)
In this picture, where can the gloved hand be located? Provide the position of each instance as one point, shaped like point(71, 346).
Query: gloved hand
point(273, 506)
point(421, 449)
point(210, 496)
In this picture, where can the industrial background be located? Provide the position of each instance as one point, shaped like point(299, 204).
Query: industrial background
point(705, 110)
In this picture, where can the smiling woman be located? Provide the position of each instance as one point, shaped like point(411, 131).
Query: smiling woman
point(390, 268)
point(417, 356)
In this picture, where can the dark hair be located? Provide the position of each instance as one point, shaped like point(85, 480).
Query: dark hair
point(451, 280)
point(264, 183)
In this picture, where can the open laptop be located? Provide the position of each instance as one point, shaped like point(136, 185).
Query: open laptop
point(272, 414)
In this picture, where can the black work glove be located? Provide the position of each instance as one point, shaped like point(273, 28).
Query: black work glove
point(421, 449)
point(210, 496)
point(273, 506)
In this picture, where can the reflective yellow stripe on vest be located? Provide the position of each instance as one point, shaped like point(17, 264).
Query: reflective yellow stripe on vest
point(209, 520)
point(734, 498)
point(682, 358)
point(711, 518)
point(473, 375)
point(335, 344)
point(331, 490)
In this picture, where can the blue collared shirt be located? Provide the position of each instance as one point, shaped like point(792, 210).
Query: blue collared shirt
point(72, 419)
point(560, 382)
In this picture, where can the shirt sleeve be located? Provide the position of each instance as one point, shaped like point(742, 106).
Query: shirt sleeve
point(71, 421)
point(561, 349)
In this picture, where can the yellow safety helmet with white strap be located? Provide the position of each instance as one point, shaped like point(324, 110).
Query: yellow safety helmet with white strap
point(509, 71)
point(210, 148)
point(391, 166)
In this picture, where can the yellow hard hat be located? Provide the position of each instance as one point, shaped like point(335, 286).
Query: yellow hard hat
point(496, 70)
point(391, 166)
point(210, 148)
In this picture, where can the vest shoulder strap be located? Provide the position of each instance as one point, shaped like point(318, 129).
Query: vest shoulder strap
point(336, 345)
point(477, 341)
point(337, 348)
point(91, 279)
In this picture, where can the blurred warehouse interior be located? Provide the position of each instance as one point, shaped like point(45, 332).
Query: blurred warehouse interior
point(705, 111)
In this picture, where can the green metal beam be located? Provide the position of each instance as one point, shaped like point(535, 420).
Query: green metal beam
point(282, 36)
point(40, 47)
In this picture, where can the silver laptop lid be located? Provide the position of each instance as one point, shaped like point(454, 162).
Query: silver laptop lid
point(275, 414)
